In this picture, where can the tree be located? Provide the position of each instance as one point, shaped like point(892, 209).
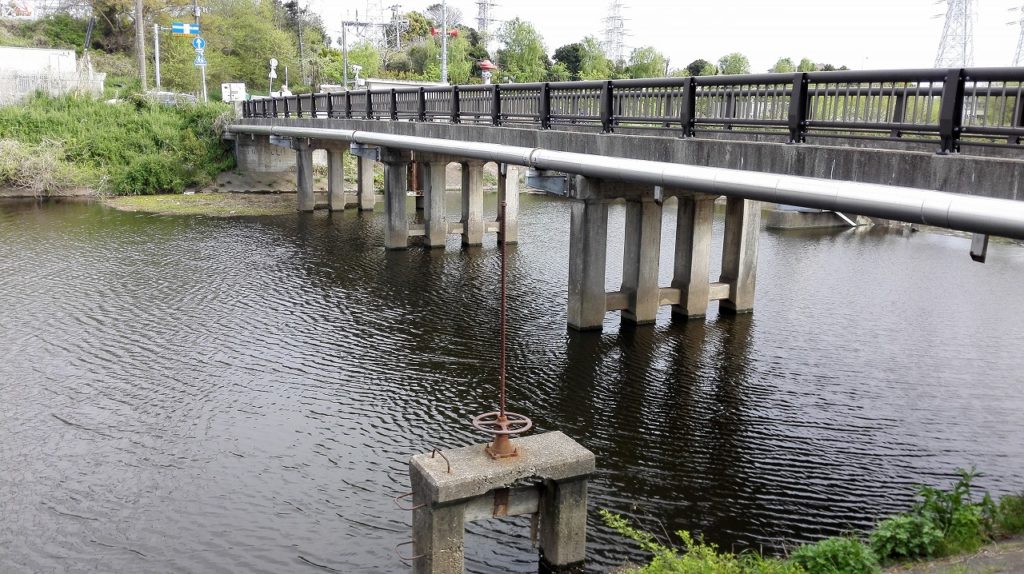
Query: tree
point(783, 66)
point(701, 67)
point(734, 63)
point(594, 65)
point(646, 62)
point(523, 57)
point(365, 54)
point(570, 56)
point(806, 65)
point(559, 72)
point(436, 14)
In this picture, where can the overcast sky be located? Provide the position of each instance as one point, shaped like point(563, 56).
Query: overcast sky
point(856, 33)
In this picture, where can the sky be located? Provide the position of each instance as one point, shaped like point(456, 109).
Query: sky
point(861, 34)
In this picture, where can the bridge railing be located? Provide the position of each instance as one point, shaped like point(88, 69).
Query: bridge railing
point(981, 106)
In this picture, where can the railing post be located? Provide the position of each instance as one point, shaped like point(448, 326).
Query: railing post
point(951, 111)
point(287, 113)
point(607, 115)
point(545, 106)
point(348, 105)
point(688, 109)
point(495, 105)
point(421, 105)
point(899, 113)
point(273, 106)
point(369, 104)
point(798, 109)
point(394, 104)
point(455, 112)
point(312, 106)
point(1017, 120)
point(330, 105)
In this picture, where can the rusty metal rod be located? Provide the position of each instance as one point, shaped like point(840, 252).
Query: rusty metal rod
point(502, 323)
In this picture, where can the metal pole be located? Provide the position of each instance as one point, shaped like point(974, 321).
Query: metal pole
point(140, 44)
point(444, 41)
point(204, 84)
point(503, 325)
point(156, 54)
point(344, 55)
point(202, 69)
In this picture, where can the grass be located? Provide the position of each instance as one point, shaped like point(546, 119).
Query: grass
point(208, 204)
point(134, 147)
point(941, 523)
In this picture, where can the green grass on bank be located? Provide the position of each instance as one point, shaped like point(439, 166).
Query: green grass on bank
point(134, 147)
point(941, 523)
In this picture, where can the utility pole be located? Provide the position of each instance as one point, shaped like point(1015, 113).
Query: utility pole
point(344, 54)
point(140, 44)
point(156, 53)
point(202, 69)
point(444, 41)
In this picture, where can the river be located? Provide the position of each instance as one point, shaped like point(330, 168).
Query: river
point(242, 395)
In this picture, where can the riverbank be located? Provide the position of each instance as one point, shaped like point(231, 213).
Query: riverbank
point(1004, 557)
point(207, 204)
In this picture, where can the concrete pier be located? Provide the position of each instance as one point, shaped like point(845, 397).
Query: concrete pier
point(640, 261)
point(335, 179)
point(696, 213)
point(364, 183)
point(434, 222)
point(304, 165)
point(255, 154)
point(472, 203)
point(739, 254)
point(508, 193)
point(548, 479)
point(640, 295)
point(396, 193)
point(588, 255)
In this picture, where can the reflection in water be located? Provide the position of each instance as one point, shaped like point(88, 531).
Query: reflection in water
point(243, 395)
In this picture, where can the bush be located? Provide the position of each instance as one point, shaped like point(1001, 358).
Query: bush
point(1010, 514)
point(965, 525)
point(41, 170)
point(697, 557)
point(905, 536)
point(838, 555)
point(139, 146)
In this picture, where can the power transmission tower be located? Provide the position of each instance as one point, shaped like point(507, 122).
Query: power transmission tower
point(1018, 56)
point(485, 20)
point(615, 33)
point(956, 49)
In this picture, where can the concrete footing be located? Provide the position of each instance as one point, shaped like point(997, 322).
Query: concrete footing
point(548, 479)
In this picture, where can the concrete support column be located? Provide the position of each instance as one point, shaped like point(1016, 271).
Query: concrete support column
point(437, 539)
point(640, 261)
point(508, 192)
point(563, 525)
point(472, 202)
point(367, 196)
point(739, 254)
point(436, 227)
point(304, 163)
point(693, 255)
point(396, 194)
point(335, 180)
point(588, 254)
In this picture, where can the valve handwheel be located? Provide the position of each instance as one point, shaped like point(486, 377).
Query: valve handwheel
point(496, 424)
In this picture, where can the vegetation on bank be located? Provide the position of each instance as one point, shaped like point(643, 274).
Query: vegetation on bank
point(941, 523)
point(133, 147)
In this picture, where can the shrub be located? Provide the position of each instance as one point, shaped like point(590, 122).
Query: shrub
point(1010, 514)
point(696, 556)
point(838, 555)
point(905, 536)
point(965, 525)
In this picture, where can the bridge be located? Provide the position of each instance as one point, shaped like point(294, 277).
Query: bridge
point(937, 147)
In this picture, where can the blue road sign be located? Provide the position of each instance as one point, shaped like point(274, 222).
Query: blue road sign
point(185, 28)
point(200, 60)
point(199, 43)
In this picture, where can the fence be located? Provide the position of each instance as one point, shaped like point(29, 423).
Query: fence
point(983, 106)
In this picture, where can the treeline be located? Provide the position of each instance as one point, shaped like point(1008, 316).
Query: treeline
point(243, 35)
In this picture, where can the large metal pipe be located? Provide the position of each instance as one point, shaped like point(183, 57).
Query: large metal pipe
point(962, 212)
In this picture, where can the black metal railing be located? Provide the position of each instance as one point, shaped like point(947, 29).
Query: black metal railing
point(948, 106)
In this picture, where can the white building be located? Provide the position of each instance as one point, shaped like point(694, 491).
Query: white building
point(24, 71)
